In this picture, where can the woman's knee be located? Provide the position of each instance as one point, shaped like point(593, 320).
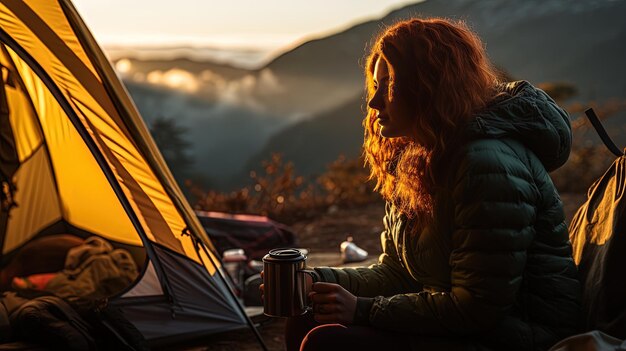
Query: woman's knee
point(323, 337)
point(296, 328)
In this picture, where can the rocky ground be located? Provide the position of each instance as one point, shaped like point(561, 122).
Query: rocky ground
point(322, 237)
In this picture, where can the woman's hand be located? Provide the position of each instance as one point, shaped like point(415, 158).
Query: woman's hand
point(332, 303)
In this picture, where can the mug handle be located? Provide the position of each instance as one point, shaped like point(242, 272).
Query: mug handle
point(316, 278)
point(312, 273)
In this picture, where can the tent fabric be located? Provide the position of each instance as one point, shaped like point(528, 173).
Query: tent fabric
point(148, 285)
point(213, 316)
point(38, 206)
point(83, 191)
point(55, 47)
point(78, 158)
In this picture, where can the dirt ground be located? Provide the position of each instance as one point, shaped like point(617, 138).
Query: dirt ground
point(322, 237)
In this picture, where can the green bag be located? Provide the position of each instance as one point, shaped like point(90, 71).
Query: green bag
point(598, 236)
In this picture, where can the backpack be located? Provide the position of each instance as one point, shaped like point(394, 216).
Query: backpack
point(35, 319)
point(598, 236)
point(46, 320)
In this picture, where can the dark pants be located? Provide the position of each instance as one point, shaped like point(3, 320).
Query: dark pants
point(304, 333)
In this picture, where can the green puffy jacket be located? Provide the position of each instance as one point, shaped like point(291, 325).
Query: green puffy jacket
point(495, 267)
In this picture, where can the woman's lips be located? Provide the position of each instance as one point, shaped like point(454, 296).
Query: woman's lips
point(382, 120)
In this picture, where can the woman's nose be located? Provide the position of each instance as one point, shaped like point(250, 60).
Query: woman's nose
point(375, 102)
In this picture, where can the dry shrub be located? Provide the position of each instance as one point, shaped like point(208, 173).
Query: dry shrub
point(282, 195)
point(346, 183)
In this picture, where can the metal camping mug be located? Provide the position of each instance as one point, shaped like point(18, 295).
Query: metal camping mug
point(284, 283)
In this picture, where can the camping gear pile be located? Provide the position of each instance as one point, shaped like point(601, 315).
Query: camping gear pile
point(77, 159)
point(253, 234)
point(242, 240)
point(92, 270)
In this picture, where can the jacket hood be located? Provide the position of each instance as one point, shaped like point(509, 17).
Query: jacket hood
point(527, 114)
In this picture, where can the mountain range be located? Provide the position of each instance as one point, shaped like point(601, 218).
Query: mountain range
point(307, 102)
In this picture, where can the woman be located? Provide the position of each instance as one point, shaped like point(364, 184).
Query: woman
point(475, 248)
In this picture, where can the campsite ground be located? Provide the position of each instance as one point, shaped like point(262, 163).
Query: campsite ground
point(322, 237)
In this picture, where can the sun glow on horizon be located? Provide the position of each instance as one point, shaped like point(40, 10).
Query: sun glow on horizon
point(234, 24)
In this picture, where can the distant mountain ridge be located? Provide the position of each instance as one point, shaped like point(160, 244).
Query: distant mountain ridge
point(530, 39)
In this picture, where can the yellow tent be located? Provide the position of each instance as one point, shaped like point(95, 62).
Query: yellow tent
point(77, 158)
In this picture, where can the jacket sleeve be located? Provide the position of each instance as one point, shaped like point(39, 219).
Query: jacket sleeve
point(387, 277)
point(494, 199)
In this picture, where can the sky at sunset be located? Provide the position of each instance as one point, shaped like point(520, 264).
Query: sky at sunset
point(230, 24)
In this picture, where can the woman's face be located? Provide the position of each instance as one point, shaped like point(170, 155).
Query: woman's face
point(393, 116)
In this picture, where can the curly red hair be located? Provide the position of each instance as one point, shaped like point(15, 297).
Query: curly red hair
point(441, 69)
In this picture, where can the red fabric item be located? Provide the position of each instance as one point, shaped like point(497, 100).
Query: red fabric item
point(35, 281)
